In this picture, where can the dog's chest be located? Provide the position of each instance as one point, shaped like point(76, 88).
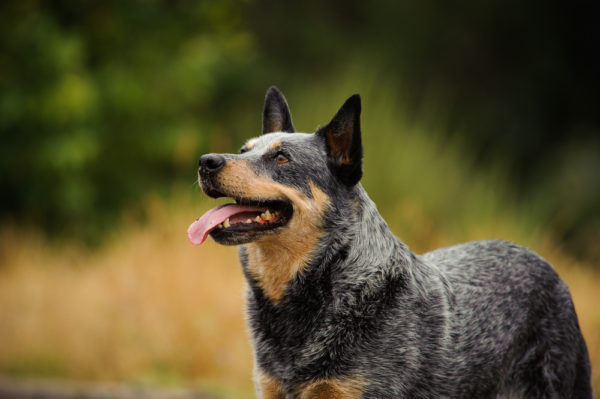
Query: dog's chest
point(300, 338)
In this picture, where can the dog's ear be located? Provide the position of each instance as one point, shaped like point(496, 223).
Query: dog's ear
point(342, 138)
point(276, 115)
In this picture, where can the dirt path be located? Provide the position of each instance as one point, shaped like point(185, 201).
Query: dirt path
point(30, 389)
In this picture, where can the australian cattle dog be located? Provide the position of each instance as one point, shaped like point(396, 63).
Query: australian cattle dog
point(338, 307)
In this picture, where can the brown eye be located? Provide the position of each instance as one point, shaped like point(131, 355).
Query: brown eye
point(280, 158)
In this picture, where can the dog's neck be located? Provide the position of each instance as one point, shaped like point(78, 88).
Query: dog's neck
point(274, 263)
point(377, 242)
point(372, 245)
point(361, 236)
point(275, 260)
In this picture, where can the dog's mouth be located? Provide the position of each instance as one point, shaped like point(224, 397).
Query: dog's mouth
point(240, 222)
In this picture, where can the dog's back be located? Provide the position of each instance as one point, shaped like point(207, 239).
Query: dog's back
point(510, 304)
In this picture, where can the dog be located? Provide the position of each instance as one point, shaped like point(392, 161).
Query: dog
point(338, 307)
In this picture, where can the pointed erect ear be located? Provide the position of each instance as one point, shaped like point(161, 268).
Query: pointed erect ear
point(276, 115)
point(342, 137)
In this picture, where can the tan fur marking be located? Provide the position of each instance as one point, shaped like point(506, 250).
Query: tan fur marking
point(275, 144)
point(275, 259)
point(274, 125)
point(350, 388)
point(250, 144)
point(339, 147)
point(269, 387)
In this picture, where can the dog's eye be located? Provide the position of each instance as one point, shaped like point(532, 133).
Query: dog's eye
point(243, 150)
point(280, 158)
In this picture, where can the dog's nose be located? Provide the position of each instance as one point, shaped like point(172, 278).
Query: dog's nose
point(211, 162)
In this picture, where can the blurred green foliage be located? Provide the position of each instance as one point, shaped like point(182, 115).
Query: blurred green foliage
point(102, 102)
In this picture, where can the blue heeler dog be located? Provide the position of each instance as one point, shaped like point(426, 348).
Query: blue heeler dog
point(338, 307)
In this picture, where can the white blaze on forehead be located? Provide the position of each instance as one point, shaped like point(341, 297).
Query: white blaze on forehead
point(271, 140)
point(250, 143)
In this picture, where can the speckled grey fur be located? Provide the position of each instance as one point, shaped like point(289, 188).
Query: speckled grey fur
point(485, 319)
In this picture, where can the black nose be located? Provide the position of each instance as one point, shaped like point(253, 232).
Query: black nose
point(211, 163)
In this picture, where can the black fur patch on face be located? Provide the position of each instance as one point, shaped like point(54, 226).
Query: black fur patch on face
point(276, 114)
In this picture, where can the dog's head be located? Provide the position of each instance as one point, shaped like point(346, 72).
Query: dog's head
point(282, 182)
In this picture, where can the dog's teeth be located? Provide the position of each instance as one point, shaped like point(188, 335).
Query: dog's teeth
point(268, 214)
point(226, 223)
point(257, 219)
point(220, 225)
point(248, 221)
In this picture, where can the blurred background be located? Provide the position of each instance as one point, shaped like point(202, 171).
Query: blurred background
point(480, 120)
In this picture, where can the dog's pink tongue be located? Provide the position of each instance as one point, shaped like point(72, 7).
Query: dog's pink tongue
point(198, 230)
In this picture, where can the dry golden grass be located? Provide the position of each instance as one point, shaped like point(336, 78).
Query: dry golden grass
point(150, 308)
